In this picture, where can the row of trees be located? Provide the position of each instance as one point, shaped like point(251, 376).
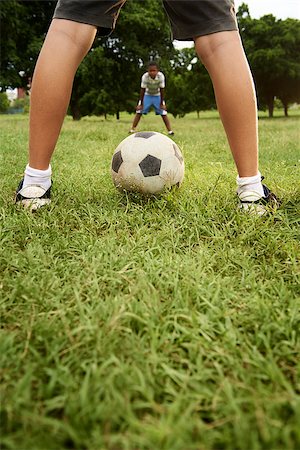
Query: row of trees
point(107, 81)
point(272, 47)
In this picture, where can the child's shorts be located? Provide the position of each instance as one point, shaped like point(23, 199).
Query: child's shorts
point(188, 18)
point(152, 100)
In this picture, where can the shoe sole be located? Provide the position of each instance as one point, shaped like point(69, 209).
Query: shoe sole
point(253, 210)
point(35, 203)
point(257, 209)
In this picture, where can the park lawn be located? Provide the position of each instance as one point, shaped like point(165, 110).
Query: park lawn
point(150, 324)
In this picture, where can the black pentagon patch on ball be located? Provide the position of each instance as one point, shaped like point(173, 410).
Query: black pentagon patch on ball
point(116, 161)
point(150, 166)
point(177, 154)
point(144, 134)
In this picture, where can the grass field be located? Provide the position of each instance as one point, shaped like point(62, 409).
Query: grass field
point(150, 324)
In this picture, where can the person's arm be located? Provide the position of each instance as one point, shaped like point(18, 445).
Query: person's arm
point(162, 91)
point(141, 100)
point(162, 98)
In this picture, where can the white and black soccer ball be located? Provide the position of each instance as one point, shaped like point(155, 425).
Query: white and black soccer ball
point(147, 162)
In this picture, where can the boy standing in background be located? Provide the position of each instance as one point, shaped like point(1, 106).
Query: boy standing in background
point(152, 94)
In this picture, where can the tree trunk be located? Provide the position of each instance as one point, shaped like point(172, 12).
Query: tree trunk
point(75, 111)
point(271, 107)
point(198, 114)
point(118, 115)
point(286, 107)
point(74, 102)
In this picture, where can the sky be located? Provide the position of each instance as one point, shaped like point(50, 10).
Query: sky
point(281, 9)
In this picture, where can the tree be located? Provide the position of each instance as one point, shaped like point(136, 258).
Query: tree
point(201, 88)
point(4, 102)
point(108, 79)
point(272, 47)
point(288, 88)
point(189, 87)
point(23, 28)
point(102, 85)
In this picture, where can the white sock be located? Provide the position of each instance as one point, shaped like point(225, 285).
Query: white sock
point(37, 177)
point(250, 184)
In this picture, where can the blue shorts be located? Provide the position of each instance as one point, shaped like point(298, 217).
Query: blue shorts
point(152, 100)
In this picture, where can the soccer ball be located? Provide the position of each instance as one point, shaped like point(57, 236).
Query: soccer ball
point(147, 162)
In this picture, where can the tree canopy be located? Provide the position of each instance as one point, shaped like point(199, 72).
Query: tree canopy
point(272, 47)
point(23, 26)
point(108, 80)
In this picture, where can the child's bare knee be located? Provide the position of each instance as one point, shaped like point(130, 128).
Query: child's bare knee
point(77, 34)
point(210, 45)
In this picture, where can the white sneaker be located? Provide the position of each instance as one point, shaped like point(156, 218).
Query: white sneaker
point(133, 130)
point(33, 197)
point(253, 203)
point(171, 133)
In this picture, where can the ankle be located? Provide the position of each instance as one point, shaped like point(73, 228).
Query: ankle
point(250, 184)
point(37, 177)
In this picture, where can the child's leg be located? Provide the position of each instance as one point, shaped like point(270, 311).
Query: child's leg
point(223, 56)
point(166, 120)
point(136, 120)
point(156, 103)
point(66, 44)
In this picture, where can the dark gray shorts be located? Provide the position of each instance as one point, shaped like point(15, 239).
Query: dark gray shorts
point(188, 18)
